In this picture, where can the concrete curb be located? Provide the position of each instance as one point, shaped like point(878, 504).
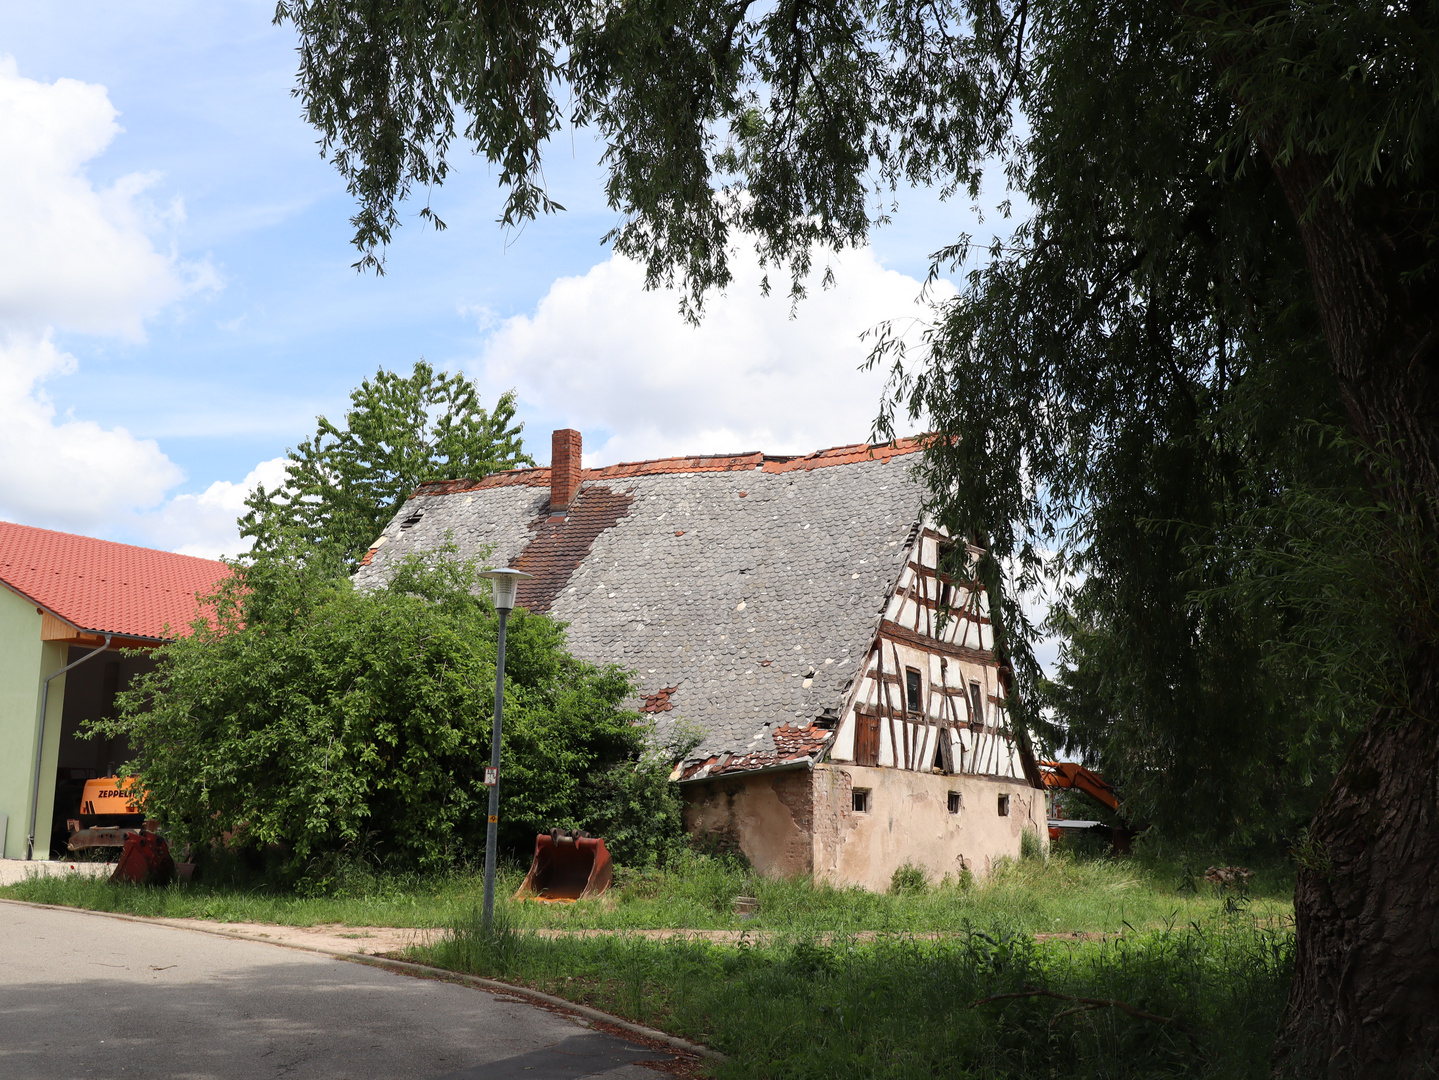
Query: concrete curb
point(406, 967)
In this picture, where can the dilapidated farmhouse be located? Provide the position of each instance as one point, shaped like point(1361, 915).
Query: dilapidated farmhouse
point(790, 610)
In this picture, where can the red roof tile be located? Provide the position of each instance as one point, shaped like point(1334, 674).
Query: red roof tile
point(839, 455)
point(106, 587)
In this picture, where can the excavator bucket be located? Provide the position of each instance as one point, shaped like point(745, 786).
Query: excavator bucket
point(567, 867)
point(145, 860)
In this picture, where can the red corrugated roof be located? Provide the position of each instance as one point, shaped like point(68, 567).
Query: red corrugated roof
point(103, 586)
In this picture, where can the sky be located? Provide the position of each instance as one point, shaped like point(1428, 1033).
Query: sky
point(178, 303)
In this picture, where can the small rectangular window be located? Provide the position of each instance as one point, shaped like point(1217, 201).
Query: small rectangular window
point(954, 802)
point(861, 800)
point(1004, 806)
point(913, 691)
point(976, 704)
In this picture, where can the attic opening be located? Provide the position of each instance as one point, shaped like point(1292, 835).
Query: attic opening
point(413, 520)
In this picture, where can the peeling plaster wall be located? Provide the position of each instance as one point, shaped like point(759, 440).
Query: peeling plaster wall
point(795, 822)
point(769, 816)
point(909, 821)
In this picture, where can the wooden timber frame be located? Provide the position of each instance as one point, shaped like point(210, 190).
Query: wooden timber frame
point(938, 626)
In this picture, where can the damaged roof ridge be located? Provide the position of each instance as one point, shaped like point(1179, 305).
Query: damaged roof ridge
point(849, 454)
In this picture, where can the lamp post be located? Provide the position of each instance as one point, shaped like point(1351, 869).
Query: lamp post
point(506, 584)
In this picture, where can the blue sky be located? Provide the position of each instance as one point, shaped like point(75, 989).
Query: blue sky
point(177, 301)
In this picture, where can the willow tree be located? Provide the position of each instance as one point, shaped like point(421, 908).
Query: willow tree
point(1235, 213)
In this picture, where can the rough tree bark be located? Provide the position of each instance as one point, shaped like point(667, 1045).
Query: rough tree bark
point(1365, 998)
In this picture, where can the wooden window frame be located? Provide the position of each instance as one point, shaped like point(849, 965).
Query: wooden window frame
point(911, 707)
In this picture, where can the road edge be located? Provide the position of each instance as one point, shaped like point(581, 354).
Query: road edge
point(407, 967)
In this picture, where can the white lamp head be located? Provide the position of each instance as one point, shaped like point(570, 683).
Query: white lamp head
point(505, 583)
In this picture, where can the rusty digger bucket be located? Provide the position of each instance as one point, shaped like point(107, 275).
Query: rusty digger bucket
point(567, 867)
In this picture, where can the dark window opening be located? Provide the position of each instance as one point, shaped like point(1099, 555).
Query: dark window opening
point(976, 704)
point(913, 691)
point(954, 802)
point(412, 520)
point(1004, 806)
point(861, 800)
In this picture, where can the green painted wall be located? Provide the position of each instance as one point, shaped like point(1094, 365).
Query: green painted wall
point(24, 661)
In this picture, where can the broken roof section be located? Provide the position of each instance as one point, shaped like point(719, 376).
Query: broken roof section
point(744, 590)
point(101, 587)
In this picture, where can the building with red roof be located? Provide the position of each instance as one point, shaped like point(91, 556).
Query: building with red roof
point(68, 605)
point(813, 646)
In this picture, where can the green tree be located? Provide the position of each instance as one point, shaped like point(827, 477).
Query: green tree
point(303, 713)
point(344, 485)
point(1232, 246)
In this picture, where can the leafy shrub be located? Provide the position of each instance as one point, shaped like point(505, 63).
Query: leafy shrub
point(306, 718)
point(908, 879)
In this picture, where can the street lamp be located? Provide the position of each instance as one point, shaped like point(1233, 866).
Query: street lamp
point(505, 584)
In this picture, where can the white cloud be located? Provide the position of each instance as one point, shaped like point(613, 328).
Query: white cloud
point(205, 524)
point(81, 259)
point(63, 471)
point(601, 354)
point(76, 257)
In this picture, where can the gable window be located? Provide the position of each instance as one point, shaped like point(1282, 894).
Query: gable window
point(913, 691)
point(976, 704)
point(955, 802)
point(1004, 806)
point(861, 800)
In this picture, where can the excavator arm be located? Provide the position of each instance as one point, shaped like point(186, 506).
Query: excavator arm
point(1067, 774)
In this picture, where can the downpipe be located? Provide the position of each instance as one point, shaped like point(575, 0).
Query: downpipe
point(40, 742)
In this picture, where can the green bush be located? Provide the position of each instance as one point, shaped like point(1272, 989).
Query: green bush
point(908, 879)
point(334, 730)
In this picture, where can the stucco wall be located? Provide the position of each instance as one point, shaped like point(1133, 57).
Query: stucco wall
point(795, 821)
point(768, 816)
point(909, 821)
point(24, 661)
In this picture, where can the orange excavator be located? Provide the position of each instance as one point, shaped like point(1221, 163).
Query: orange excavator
point(110, 817)
point(1067, 775)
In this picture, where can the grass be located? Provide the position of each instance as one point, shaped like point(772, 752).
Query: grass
point(1062, 895)
point(827, 982)
point(796, 1007)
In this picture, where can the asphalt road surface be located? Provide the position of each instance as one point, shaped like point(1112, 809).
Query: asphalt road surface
point(84, 997)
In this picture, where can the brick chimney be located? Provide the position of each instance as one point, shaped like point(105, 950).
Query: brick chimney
point(564, 468)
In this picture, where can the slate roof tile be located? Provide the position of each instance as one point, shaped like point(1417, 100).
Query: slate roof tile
point(744, 590)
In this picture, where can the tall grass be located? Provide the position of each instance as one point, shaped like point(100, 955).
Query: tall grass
point(1060, 895)
point(382, 901)
point(896, 1007)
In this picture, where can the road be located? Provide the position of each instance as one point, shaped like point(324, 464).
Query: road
point(83, 997)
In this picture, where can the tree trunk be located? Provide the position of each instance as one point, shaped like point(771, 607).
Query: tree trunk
point(1365, 997)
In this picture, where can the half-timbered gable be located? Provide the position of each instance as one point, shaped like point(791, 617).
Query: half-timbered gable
point(792, 612)
point(931, 697)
